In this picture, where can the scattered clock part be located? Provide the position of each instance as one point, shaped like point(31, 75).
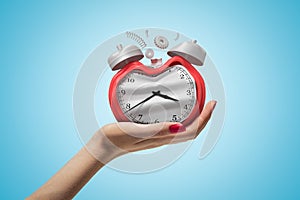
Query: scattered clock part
point(147, 33)
point(156, 62)
point(124, 55)
point(161, 42)
point(177, 36)
point(189, 50)
point(136, 38)
point(149, 53)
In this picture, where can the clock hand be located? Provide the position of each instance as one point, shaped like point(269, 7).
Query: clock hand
point(164, 96)
point(150, 97)
point(147, 99)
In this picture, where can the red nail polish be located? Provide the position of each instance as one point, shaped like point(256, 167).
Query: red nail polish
point(176, 128)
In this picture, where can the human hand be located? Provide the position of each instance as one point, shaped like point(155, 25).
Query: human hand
point(116, 139)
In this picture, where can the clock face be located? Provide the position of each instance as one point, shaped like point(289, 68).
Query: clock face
point(168, 96)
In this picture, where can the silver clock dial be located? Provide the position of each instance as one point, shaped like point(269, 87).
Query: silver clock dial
point(169, 96)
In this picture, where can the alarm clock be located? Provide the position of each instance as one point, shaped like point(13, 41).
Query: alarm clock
point(172, 92)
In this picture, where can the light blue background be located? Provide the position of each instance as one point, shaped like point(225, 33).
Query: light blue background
point(255, 46)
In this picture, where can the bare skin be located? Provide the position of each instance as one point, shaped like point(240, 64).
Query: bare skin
point(111, 141)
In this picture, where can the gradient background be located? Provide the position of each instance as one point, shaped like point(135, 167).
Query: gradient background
point(255, 46)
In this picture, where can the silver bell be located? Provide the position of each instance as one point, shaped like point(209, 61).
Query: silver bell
point(189, 50)
point(124, 56)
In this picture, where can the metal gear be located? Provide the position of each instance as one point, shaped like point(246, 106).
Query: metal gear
point(161, 42)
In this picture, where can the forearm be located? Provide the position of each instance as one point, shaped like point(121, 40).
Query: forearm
point(67, 182)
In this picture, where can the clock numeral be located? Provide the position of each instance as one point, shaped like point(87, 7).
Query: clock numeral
point(140, 116)
point(156, 121)
point(186, 107)
point(188, 92)
point(127, 106)
point(174, 118)
point(130, 80)
point(123, 92)
point(181, 76)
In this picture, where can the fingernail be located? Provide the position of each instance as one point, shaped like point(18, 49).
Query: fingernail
point(176, 128)
point(215, 103)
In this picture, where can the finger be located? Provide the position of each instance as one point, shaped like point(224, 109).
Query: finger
point(157, 142)
point(191, 132)
point(166, 129)
point(145, 131)
point(164, 136)
point(199, 123)
point(206, 114)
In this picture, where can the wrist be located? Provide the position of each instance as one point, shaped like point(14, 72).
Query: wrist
point(102, 149)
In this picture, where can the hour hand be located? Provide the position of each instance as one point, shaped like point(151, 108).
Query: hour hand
point(164, 96)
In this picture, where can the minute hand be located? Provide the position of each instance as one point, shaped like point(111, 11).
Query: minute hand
point(166, 97)
point(147, 99)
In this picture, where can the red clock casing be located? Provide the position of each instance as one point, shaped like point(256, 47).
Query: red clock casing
point(176, 60)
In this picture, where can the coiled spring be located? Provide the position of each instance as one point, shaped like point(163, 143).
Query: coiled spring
point(136, 38)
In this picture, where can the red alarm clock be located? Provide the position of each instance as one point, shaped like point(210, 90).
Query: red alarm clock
point(173, 91)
